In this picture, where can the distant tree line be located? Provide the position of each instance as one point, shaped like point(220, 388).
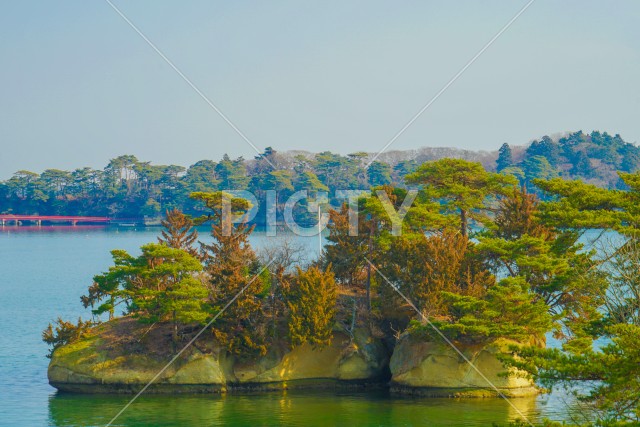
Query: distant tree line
point(594, 158)
point(130, 188)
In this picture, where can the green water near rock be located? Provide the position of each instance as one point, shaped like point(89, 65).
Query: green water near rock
point(285, 409)
point(44, 272)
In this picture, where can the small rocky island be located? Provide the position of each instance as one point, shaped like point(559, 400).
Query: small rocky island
point(118, 357)
point(421, 307)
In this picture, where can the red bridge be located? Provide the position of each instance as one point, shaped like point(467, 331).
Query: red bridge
point(17, 219)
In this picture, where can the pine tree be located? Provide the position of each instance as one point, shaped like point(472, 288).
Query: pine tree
point(551, 261)
point(505, 158)
point(379, 174)
point(160, 285)
point(111, 286)
point(608, 373)
point(508, 310)
point(178, 232)
point(230, 264)
point(347, 253)
point(165, 287)
point(223, 208)
point(275, 305)
point(64, 333)
point(463, 188)
point(538, 167)
point(582, 166)
point(515, 216)
point(232, 173)
point(312, 307)
point(423, 267)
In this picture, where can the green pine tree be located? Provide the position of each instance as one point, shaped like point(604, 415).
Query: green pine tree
point(505, 157)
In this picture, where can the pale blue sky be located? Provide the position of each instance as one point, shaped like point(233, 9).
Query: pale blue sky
point(78, 86)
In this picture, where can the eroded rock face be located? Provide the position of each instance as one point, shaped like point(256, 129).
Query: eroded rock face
point(85, 367)
point(119, 358)
point(436, 369)
point(361, 359)
point(95, 365)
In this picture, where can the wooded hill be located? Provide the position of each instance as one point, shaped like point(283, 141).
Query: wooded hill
point(128, 187)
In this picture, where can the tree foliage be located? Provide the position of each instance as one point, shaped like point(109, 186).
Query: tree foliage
point(507, 310)
point(603, 351)
point(424, 267)
point(131, 188)
point(64, 332)
point(505, 157)
point(230, 265)
point(462, 187)
point(312, 307)
point(159, 285)
point(178, 232)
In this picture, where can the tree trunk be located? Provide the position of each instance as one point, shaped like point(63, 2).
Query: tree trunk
point(463, 222)
point(175, 329)
point(353, 317)
point(369, 268)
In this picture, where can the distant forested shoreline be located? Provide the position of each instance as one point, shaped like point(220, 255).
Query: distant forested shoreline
point(131, 188)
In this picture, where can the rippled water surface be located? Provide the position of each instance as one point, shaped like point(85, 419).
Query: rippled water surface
point(44, 272)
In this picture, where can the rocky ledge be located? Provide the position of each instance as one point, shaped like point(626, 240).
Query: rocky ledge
point(102, 363)
point(122, 356)
point(425, 368)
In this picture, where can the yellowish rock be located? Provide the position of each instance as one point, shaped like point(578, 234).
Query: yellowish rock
point(95, 365)
point(437, 369)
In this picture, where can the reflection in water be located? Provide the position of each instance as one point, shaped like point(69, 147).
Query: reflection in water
point(286, 408)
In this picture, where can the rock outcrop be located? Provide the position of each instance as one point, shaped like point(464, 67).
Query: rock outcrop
point(122, 357)
point(101, 364)
point(435, 369)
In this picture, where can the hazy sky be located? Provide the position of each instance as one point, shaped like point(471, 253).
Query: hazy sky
point(78, 86)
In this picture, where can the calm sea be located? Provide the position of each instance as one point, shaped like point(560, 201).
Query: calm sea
point(44, 271)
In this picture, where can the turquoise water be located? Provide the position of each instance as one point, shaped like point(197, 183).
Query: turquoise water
point(44, 271)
